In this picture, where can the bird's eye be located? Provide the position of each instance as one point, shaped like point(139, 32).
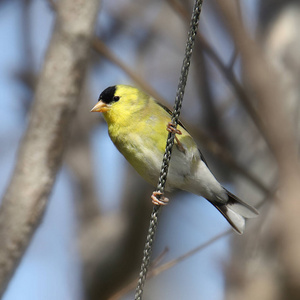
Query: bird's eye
point(116, 98)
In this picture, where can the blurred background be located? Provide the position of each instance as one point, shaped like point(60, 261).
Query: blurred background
point(90, 241)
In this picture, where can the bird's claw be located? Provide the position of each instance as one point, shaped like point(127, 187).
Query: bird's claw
point(171, 128)
point(161, 200)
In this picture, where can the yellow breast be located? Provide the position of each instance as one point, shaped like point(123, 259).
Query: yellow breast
point(138, 130)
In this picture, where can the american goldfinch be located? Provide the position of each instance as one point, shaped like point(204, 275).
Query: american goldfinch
point(138, 124)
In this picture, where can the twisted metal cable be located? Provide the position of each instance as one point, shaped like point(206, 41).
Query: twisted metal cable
point(168, 151)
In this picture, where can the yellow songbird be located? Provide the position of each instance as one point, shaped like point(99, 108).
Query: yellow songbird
point(138, 124)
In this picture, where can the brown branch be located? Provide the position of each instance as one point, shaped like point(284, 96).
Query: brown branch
point(42, 147)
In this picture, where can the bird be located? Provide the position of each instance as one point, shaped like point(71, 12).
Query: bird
point(138, 126)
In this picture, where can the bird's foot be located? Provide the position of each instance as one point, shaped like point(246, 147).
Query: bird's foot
point(160, 200)
point(171, 128)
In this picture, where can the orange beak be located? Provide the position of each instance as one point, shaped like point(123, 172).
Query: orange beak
point(101, 107)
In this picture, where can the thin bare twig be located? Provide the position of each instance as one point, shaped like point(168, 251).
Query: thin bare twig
point(100, 47)
point(174, 262)
point(164, 267)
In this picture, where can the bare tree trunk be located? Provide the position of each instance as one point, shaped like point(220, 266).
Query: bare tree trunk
point(42, 147)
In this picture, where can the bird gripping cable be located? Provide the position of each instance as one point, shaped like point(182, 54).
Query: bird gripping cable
point(168, 151)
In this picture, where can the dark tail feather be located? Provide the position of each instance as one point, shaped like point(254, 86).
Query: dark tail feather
point(236, 211)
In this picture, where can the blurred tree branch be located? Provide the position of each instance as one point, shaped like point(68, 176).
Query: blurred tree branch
point(111, 244)
point(42, 147)
point(264, 83)
point(101, 48)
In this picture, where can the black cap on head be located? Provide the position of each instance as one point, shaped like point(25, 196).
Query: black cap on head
point(107, 96)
